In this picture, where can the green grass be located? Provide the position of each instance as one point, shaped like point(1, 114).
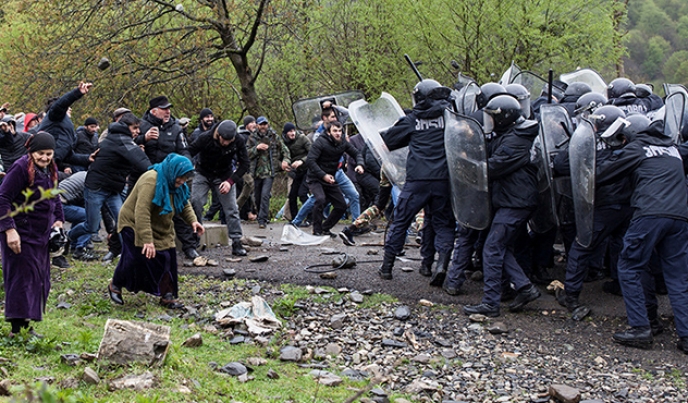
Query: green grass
point(80, 328)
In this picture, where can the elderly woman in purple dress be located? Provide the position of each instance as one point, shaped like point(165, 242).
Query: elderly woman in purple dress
point(24, 237)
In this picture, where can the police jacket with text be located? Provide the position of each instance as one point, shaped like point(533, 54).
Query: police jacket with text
point(324, 155)
point(171, 138)
point(633, 105)
point(657, 176)
point(118, 157)
point(422, 131)
point(216, 162)
point(512, 175)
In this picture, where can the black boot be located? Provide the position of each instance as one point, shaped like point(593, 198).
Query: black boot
point(638, 337)
point(426, 268)
point(440, 270)
point(238, 248)
point(578, 310)
point(655, 324)
point(385, 271)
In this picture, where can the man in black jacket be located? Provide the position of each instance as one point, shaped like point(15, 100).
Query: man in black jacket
point(117, 157)
point(323, 162)
point(427, 177)
point(659, 225)
point(215, 151)
point(86, 140)
point(161, 135)
point(58, 123)
point(513, 185)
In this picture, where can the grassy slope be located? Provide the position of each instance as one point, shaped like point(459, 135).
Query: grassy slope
point(80, 328)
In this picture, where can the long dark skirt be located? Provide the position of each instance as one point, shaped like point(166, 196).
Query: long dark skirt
point(135, 272)
point(27, 279)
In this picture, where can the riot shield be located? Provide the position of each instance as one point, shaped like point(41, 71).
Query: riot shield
point(582, 150)
point(673, 88)
point(464, 143)
point(534, 83)
point(307, 111)
point(555, 129)
point(464, 99)
point(509, 74)
point(674, 116)
point(588, 76)
point(370, 120)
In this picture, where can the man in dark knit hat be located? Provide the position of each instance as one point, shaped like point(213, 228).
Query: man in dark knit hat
point(215, 151)
point(206, 119)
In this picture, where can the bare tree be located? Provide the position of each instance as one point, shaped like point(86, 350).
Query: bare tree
point(154, 44)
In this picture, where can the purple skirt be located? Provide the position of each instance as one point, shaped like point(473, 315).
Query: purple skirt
point(135, 272)
point(26, 278)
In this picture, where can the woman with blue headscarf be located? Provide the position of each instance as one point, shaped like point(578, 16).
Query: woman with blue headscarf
point(149, 258)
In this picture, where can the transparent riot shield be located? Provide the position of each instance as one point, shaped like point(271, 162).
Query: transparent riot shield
point(307, 111)
point(555, 129)
point(464, 99)
point(464, 143)
point(544, 218)
point(673, 88)
point(588, 76)
point(674, 116)
point(370, 120)
point(534, 83)
point(509, 74)
point(582, 162)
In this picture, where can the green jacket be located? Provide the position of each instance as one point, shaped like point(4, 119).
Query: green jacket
point(140, 214)
point(266, 163)
point(298, 149)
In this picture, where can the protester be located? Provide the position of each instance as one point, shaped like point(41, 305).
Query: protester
point(24, 237)
point(149, 258)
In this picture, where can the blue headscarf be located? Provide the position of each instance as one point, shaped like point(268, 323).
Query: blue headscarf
point(171, 168)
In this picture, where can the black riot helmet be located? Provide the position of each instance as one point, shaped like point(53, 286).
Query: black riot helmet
point(487, 92)
point(643, 90)
point(605, 116)
point(627, 131)
point(577, 90)
point(429, 89)
point(522, 94)
point(621, 88)
point(501, 113)
point(587, 103)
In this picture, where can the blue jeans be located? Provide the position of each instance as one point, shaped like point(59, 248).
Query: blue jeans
point(304, 211)
point(75, 215)
point(350, 193)
point(94, 201)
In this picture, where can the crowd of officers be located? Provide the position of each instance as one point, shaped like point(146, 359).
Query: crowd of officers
point(640, 215)
point(640, 212)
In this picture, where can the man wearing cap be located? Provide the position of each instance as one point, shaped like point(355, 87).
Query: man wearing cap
point(268, 155)
point(162, 135)
point(116, 115)
point(215, 151)
point(299, 145)
point(206, 119)
point(3, 109)
point(86, 140)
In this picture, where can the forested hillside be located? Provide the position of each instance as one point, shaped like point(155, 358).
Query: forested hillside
point(657, 41)
point(258, 56)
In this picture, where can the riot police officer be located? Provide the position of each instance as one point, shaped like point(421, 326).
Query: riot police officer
point(660, 223)
point(513, 181)
point(427, 176)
